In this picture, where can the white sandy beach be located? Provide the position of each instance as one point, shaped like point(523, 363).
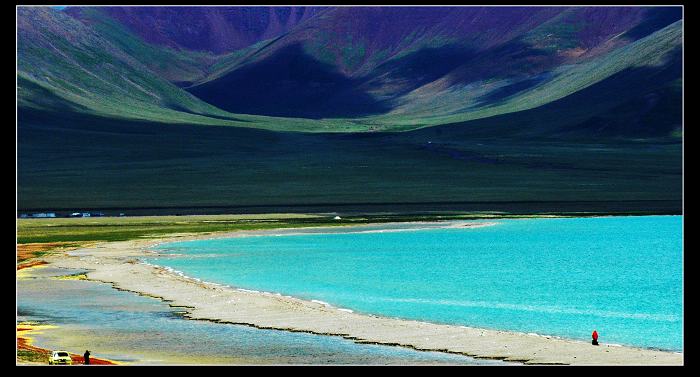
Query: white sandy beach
point(117, 263)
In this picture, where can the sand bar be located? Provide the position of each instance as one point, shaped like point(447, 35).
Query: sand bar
point(117, 263)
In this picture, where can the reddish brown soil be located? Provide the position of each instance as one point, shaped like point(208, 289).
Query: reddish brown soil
point(30, 264)
point(24, 344)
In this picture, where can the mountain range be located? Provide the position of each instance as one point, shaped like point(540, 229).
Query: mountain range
point(425, 84)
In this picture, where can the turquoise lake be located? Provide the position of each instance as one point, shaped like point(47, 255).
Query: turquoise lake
point(563, 277)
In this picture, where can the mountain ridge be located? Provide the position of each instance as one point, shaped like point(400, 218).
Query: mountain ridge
point(438, 69)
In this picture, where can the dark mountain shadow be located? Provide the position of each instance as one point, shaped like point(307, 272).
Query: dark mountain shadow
point(655, 19)
point(419, 68)
point(512, 59)
point(182, 84)
point(290, 83)
point(465, 65)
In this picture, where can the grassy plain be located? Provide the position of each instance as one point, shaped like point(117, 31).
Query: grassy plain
point(71, 162)
point(59, 234)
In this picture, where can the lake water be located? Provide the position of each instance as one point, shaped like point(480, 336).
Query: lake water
point(564, 277)
point(129, 328)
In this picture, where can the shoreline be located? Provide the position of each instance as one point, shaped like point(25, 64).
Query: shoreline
point(349, 228)
point(25, 343)
point(117, 263)
point(169, 270)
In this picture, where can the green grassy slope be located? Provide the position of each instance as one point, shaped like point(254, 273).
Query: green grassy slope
point(64, 64)
point(61, 55)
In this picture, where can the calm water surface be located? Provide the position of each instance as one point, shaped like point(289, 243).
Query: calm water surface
point(562, 277)
point(126, 327)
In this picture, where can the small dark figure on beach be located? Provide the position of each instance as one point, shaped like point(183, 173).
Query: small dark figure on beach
point(595, 338)
point(86, 356)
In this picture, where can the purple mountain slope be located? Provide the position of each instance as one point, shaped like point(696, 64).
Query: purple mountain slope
point(357, 39)
point(214, 29)
point(346, 62)
point(382, 54)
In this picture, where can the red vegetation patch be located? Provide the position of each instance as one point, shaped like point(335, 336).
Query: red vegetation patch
point(30, 264)
point(31, 250)
point(24, 344)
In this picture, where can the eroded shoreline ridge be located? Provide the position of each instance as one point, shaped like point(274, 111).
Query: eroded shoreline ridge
point(118, 263)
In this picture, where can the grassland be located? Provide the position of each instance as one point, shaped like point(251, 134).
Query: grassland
point(76, 230)
point(71, 161)
point(62, 234)
point(40, 237)
point(125, 228)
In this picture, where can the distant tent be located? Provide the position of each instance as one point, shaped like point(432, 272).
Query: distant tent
point(336, 218)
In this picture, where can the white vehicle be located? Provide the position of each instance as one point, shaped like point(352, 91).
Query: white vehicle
point(60, 358)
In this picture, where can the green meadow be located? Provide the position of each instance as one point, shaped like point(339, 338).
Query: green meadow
point(125, 228)
point(72, 162)
point(72, 232)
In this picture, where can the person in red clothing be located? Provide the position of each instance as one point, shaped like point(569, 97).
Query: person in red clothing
point(595, 338)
